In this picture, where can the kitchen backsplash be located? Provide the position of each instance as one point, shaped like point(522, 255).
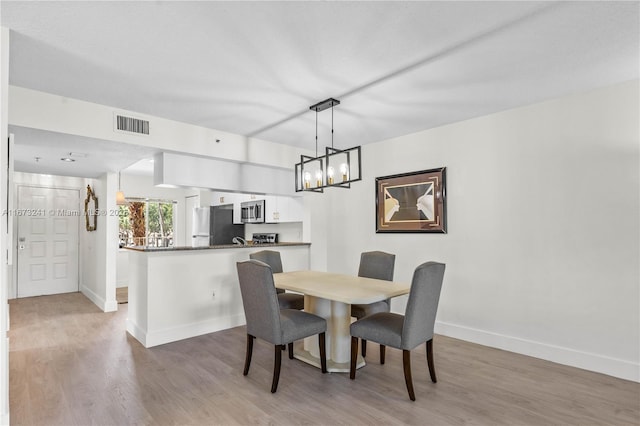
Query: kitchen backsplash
point(287, 232)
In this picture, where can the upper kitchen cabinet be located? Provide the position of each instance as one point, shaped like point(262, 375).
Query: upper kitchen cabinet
point(280, 209)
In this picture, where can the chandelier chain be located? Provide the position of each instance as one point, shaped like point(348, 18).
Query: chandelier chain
point(331, 126)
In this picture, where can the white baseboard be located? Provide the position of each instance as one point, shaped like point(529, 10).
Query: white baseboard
point(104, 305)
point(111, 306)
point(4, 383)
point(168, 335)
point(588, 361)
point(97, 300)
point(137, 332)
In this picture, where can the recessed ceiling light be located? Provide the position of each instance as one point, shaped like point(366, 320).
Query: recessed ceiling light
point(67, 159)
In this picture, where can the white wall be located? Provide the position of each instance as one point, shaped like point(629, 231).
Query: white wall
point(45, 111)
point(99, 248)
point(542, 251)
point(320, 220)
point(188, 171)
point(4, 243)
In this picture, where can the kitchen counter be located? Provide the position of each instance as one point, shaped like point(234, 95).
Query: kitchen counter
point(180, 292)
point(216, 247)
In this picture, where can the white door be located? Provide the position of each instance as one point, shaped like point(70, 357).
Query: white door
point(48, 220)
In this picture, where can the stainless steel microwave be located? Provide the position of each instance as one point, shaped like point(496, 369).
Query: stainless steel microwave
point(252, 211)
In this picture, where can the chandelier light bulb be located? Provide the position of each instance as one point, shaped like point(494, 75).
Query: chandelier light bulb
point(318, 178)
point(307, 179)
point(344, 170)
point(330, 173)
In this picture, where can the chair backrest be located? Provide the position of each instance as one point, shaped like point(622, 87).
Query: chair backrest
point(377, 264)
point(260, 300)
point(422, 306)
point(270, 257)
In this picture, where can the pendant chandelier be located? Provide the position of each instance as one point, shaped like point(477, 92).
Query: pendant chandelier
point(120, 200)
point(336, 168)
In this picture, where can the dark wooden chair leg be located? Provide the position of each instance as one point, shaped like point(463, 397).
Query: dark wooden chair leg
point(364, 348)
point(432, 368)
point(290, 350)
point(354, 357)
point(247, 360)
point(406, 363)
point(276, 368)
point(383, 352)
point(323, 352)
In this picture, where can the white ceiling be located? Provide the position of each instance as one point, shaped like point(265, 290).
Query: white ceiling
point(39, 151)
point(254, 68)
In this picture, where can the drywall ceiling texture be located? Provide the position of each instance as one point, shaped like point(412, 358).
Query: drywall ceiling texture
point(542, 251)
point(253, 68)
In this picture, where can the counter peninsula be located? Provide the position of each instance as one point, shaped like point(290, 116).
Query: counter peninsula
point(182, 292)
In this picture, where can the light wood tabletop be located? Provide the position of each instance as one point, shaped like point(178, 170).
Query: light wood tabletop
point(340, 287)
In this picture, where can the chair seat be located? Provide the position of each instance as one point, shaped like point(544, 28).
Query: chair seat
point(297, 325)
point(384, 328)
point(361, 311)
point(291, 301)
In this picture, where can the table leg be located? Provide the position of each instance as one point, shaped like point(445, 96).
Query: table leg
point(338, 316)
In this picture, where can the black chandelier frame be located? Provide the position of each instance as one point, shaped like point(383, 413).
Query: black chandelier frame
point(304, 180)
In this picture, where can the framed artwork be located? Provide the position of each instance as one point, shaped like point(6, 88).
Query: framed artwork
point(412, 202)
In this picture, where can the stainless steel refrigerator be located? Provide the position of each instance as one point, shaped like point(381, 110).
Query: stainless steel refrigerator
point(221, 227)
point(200, 227)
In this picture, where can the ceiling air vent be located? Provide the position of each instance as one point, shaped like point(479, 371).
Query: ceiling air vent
point(133, 125)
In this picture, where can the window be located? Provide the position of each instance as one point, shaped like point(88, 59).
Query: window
point(147, 222)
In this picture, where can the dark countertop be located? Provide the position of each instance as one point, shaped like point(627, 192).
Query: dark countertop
point(221, 246)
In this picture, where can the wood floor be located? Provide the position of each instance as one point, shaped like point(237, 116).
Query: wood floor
point(122, 295)
point(71, 364)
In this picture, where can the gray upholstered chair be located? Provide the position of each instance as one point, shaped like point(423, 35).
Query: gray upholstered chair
point(266, 320)
point(405, 331)
point(272, 258)
point(379, 265)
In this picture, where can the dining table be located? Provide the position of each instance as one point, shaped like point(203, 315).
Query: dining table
point(330, 296)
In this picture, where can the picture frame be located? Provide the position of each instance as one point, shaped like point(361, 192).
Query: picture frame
point(412, 202)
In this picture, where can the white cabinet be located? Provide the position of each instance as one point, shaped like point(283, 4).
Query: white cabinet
point(278, 209)
point(282, 209)
point(271, 209)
